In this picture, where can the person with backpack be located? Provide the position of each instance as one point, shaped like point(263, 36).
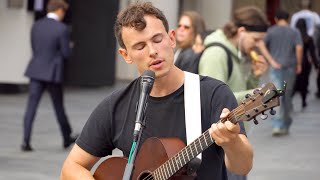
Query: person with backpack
point(235, 40)
point(223, 56)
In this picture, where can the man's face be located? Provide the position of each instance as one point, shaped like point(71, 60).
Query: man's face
point(149, 49)
point(250, 40)
point(184, 30)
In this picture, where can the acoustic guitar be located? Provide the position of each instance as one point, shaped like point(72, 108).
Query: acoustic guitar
point(165, 158)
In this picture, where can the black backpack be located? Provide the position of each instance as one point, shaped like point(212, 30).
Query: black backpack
point(195, 62)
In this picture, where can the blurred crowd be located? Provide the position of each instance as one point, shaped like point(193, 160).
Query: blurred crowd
point(284, 51)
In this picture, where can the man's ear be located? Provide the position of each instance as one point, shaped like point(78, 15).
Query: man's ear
point(172, 36)
point(124, 53)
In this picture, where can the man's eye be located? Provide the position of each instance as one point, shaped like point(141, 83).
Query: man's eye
point(140, 47)
point(158, 40)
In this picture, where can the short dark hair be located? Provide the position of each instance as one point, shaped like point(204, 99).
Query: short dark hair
point(54, 5)
point(133, 16)
point(281, 14)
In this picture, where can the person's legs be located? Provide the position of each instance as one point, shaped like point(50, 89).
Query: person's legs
point(318, 84)
point(36, 89)
point(276, 78)
point(288, 76)
point(56, 94)
point(304, 98)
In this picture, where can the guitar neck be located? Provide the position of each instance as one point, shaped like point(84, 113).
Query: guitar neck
point(184, 156)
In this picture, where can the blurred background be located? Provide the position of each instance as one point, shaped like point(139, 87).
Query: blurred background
point(94, 59)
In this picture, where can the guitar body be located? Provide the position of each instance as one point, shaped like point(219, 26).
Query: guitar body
point(153, 153)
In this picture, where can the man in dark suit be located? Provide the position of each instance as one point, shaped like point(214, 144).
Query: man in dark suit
point(50, 47)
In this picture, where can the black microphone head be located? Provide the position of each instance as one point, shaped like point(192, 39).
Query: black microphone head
point(149, 73)
point(147, 80)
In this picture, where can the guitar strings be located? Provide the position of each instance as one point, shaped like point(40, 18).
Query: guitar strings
point(184, 152)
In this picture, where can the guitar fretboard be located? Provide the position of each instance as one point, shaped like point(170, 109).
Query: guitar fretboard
point(189, 152)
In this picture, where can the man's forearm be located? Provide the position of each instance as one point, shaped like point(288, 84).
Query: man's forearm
point(239, 156)
point(72, 170)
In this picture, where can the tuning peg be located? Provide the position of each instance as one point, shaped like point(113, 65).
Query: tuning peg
point(255, 121)
point(272, 111)
point(255, 91)
point(264, 116)
point(247, 95)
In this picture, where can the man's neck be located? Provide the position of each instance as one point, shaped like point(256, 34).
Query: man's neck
point(169, 83)
point(282, 23)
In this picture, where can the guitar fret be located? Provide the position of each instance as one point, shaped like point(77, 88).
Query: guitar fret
point(157, 175)
point(180, 161)
point(167, 171)
point(191, 150)
point(205, 140)
point(171, 172)
point(204, 143)
point(200, 144)
point(163, 172)
point(187, 154)
point(210, 137)
point(176, 165)
point(184, 157)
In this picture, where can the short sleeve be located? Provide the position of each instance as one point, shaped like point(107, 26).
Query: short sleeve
point(298, 38)
point(95, 137)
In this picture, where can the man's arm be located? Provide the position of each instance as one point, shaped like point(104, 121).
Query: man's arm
point(64, 41)
point(264, 51)
point(238, 150)
point(299, 54)
point(78, 164)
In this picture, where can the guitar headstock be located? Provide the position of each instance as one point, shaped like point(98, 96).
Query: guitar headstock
point(257, 103)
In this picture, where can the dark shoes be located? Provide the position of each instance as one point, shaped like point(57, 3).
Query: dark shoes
point(304, 104)
point(25, 147)
point(70, 140)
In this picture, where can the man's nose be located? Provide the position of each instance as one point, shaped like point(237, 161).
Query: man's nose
point(152, 50)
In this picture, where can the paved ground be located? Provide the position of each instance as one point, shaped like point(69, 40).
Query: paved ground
point(293, 157)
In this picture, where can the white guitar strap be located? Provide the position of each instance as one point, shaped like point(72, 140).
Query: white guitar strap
point(192, 107)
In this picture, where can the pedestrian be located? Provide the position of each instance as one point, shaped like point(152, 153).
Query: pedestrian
point(286, 49)
point(308, 57)
point(190, 25)
point(50, 49)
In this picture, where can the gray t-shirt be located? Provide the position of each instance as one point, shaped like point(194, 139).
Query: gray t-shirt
point(281, 42)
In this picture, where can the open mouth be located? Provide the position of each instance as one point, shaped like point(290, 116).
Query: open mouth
point(156, 63)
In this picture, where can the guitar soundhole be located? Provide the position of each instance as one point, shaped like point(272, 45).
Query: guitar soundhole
point(145, 176)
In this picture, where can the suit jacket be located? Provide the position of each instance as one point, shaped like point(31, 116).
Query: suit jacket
point(50, 48)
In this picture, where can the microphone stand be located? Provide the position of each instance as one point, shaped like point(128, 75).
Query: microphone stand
point(130, 165)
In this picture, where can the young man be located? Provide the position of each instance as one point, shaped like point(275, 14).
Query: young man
point(145, 40)
point(286, 49)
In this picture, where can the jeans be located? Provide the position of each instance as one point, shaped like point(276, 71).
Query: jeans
point(282, 119)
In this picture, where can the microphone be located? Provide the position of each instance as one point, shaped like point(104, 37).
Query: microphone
point(147, 80)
